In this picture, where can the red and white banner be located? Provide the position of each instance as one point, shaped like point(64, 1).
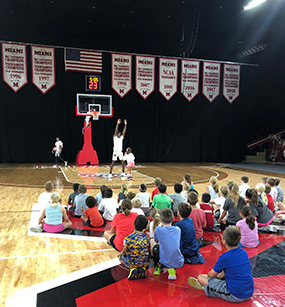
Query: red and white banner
point(145, 67)
point(14, 65)
point(168, 70)
point(43, 68)
point(211, 80)
point(190, 73)
point(121, 73)
point(231, 82)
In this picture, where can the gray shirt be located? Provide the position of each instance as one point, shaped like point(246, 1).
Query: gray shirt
point(280, 195)
point(233, 211)
point(177, 199)
point(80, 202)
point(262, 213)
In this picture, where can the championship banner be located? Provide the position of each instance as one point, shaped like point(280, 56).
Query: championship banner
point(121, 73)
point(43, 68)
point(14, 65)
point(211, 80)
point(168, 70)
point(190, 73)
point(145, 66)
point(231, 82)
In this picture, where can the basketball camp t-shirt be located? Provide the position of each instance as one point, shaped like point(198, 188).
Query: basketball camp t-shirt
point(118, 143)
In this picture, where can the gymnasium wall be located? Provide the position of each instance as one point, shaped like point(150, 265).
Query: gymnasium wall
point(158, 130)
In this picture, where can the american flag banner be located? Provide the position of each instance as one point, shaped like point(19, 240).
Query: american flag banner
point(83, 60)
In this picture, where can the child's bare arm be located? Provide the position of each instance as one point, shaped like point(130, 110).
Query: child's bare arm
point(212, 274)
point(42, 217)
point(62, 209)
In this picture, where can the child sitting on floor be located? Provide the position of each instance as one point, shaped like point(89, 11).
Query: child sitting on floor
point(72, 196)
point(176, 197)
point(100, 195)
point(155, 214)
point(270, 201)
point(108, 206)
point(136, 203)
point(79, 202)
point(234, 265)
point(165, 245)
point(123, 194)
point(248, 228)
point(92, 216)
point(184, 193)
point(144, 197)
point(161, 200)
point(207, 208)
point(198, 217)
point(188, 244)
point(136, 251)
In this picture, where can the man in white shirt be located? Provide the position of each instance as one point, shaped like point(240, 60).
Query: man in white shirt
point(118, 147)
point(58, 145)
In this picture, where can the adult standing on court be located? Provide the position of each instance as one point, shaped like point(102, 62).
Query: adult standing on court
point(118, 147)
point(58, 145)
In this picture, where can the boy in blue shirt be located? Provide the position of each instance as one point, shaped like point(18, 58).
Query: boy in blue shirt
point(167, 253)
point(234, 266)
point(189, 246)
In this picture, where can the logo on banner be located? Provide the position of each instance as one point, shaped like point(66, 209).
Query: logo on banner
point(231, 83)
point(14, 68)
point(121, 73)
point(43, 68)
point(168, 70)
point(190, 73)
point(211, 80)
point(145, 70)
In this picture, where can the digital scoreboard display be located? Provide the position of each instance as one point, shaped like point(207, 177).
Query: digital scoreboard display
point(93, 83)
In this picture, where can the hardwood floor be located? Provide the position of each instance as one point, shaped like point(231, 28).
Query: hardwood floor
point(27, 260)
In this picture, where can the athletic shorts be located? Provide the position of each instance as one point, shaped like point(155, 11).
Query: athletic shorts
point(53, 228)
point(131, 163)
point(116, 155)
point(112, 242)
point(218, 288)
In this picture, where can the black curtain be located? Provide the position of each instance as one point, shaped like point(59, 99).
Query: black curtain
point(158, 130)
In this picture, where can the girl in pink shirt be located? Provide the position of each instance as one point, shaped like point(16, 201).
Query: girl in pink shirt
point(248, 228)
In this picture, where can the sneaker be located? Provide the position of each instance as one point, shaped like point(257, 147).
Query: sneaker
point(110, 176)
point(133, 274)
point(130, 178)
point(171, 274)
point(142, 273)
point(194, 283)
point(157, 271)
point(55, 166)
point(36, 229)
point(65, 163)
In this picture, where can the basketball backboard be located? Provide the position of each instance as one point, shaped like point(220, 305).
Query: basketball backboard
point(97, 102)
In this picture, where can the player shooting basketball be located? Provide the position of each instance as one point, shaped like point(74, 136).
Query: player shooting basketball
point(118, 147)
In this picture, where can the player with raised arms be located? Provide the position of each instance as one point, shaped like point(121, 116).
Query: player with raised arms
point(118, 147)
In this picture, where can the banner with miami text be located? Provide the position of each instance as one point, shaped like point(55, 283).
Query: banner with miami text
point(231, 82)
point(14, 65)
point(168, 70)
point(211, 80)
point(121, 73)
point(190, 78)
point(43, 68)
point(145, 67)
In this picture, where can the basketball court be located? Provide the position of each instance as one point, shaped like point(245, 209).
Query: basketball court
point(80, 269)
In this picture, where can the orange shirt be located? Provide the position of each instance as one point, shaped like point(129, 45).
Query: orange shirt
point(94, 216)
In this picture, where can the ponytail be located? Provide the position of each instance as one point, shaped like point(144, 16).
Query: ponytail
point(155, 214)
point(126, 206)
point(214, 182)
point(249, 218)
point(252, 195)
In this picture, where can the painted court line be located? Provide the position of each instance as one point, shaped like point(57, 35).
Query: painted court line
point(58, 254)
point(30, 294)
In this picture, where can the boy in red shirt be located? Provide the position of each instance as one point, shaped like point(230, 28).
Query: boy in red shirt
point(198, 217)
point(207, 208)
point(92, 216)
point(157, 182)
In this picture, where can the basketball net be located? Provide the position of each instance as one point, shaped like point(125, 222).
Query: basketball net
point(95, 114)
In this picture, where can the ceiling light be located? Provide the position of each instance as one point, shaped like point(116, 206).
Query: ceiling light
point(253, 4)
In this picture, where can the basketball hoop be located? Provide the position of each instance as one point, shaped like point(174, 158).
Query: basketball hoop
point(95, 114)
